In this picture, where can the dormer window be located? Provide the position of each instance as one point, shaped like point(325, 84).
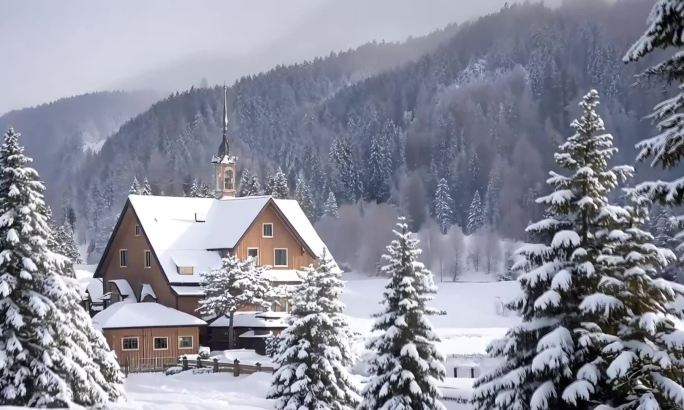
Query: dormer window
point(186, 270)
point(267, 230)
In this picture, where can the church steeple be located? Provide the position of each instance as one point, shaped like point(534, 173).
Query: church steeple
point(224, 163)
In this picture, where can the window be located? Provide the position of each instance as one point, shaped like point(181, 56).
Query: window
point(138, 230)
point(129, 343)
point(161, 343)
point(123, 258)
point(253, 253)
point(185, 342)
point(280, 257)
point(268, 231)
point(148, 259)
point(228, 180)
point(186, 270)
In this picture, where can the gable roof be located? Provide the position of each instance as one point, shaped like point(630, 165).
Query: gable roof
point(149, 314)
point(190, 231)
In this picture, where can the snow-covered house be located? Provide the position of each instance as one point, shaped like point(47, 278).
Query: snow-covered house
point(161, 244)
point(252, 328)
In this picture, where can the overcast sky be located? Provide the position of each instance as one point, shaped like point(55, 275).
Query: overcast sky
point(53, 49)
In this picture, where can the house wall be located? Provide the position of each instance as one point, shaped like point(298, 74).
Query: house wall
point(135, 273)
point(146, 353)
point(283, 237)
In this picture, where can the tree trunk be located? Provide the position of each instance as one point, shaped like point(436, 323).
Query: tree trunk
point(231, 331)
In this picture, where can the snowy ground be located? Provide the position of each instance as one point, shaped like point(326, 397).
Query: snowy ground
point(474, 316)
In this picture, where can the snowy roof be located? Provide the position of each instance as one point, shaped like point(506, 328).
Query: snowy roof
point(95, 289)
point(84, 276)
point(282, 275)
point(188, 290)
point(125, 289)
point(253, 334)
point(189, 231)
point(150, 314)
point(147, 291)
point(251, 320)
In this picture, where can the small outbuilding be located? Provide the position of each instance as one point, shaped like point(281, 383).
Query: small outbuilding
point(148, 336)
point(251, 330)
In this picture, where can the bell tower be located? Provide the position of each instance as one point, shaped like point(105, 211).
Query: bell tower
point(224, 163)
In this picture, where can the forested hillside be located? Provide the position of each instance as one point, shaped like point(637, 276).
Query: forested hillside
point(60, 134)
point(482, 109)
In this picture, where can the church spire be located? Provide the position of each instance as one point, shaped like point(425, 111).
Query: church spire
point(224, 148)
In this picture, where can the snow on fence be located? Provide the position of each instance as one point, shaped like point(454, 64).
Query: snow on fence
point(147, 364)
point(235, 367)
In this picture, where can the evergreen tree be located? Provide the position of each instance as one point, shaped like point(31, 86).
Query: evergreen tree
point(442, 204)
point(135, 188)
point(200, 190)
point(146, 189)
point(237, 283)
point(543, 356)
point(330, 206)
point(63, 243)
point(348, 179)
point(314, 351)
point(475, 216)
point(277, 185)
point(193, 192)
point(42, 356)
point(249, 184)
point(637, 351)
point(492, 211)
point(406, 365)
point(304, 198)
point(379, 169)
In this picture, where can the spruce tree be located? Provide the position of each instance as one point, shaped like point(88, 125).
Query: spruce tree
point(405, 366)
point(135, 188)
point(193, 192)
point(277, 185)
point(492, 211)
point(304, 198)
point(475, 215)
point(249, 184)
point(442, 204)
point(314, 351)
point(42, 358)
point(379, 169)
point(330, 206)
point(347, 176)
point(237, 283)
point(145, 189)
point(542, 357)
point(63, 243)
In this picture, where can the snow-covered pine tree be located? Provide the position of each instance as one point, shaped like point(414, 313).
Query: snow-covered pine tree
point(492, 211)
point(314, 352)
point(635, 350)
point(379, 169)
point(330, 206)
point(304, 198)
point(145, 188)
point(237, 283)
point(193, 192)
point(406, 365)
point(277, 185)
point(665, 24)
point(475, 215)
point(249, 184)
point(63, 243)
point(205, 191)
point(347, 176)
point(664, 229)
point(542, 357)
point(42, 363)
point(442, 204)
point(135, 188)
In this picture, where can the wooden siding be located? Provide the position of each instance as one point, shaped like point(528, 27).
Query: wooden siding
point(146, 351)
point(135, 273)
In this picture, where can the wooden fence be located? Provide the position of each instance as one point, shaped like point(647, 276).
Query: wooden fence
point(215, 366)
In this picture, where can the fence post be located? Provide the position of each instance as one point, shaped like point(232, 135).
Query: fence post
point(185, 363)
point(258, 366)
point(215, 364)
point(199, 362)
point(236, 368)
point(472, 372)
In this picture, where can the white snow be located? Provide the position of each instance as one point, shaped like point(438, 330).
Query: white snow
point(252, 319)
point(125, 289)
point(150, 314)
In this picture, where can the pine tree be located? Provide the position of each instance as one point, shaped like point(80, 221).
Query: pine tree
point(193, 192)
point(135, 188)
point(237, 283)
point(277, 185)
point(41, 356)
point(304, 198)
point(200, 190)
point(146, 189)
point(442, 204)
point(63, 243)
point(347, 177)
point(475, 216)
point(314, 351)
point(405, 366)
point(542, 357)
point(635, 350)
point(492, 211)
point(330, 206)
point(379, 169)
point(249, 184)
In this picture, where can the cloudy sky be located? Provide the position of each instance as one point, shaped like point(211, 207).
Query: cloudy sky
point(53, 49)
